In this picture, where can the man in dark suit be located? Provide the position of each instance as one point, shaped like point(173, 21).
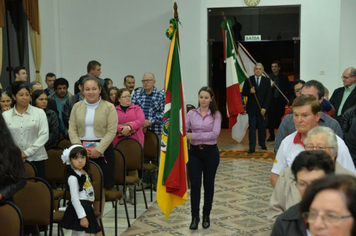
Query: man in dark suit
point(256, 109)
point(345, 97)
point(277, 106)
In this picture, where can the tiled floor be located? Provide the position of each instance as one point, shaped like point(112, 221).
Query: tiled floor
point(242, 193)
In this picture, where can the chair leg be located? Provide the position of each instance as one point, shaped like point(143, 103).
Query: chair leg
point(144, 195)
point(151, 185)
point(135, 199)
point(127, 213)
point(115, 216)
point(102, 226)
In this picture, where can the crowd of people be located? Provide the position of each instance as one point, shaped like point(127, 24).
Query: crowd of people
point(314, 144)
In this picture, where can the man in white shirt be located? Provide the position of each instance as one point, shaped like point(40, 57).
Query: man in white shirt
point(306, 114)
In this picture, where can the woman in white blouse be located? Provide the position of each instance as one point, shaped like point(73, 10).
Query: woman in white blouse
point(28, 126)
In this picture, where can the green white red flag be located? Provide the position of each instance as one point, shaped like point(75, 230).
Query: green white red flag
point(235, 76)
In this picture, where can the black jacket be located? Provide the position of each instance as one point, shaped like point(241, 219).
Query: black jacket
point(53, 128)
point(67, 108)
point(290, 223)
point(336, 98)
point(263, 93)
point(8, 191)
point(346, 120)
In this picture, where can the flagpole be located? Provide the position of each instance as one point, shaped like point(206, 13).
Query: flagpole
point(253, 59)
point(175, 7)
point(248, 78)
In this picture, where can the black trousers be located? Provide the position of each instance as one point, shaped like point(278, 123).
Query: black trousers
point(275, 113)
point(203, 162)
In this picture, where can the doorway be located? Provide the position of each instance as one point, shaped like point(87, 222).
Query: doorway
point(279, 28)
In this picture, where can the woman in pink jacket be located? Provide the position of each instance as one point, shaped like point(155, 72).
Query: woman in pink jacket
point(131, 118)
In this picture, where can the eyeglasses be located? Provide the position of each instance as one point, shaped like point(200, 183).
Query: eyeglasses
point(311, 147)
point(298, 90)
point(301, 185)
point(127, 96)
point(346, 77)
point(328, 218)
point(146, 80)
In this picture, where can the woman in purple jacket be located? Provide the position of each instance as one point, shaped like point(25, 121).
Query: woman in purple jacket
point(131, 118)
point(204, 158)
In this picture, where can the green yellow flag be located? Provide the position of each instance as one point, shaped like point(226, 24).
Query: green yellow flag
point(172, 182)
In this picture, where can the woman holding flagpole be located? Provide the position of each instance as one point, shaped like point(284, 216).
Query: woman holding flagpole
point(204, 158)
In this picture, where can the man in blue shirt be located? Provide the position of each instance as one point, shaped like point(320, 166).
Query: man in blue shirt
point(152, 102)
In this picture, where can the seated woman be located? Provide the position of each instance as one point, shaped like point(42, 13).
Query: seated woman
point(39, 99)
point(328, 206)
point(6, 100)
point(94, 120)
point(131, 118)
point(286, 193)
point(113, 95)
point(307, 167)
point(12, 170)
point(28, 126)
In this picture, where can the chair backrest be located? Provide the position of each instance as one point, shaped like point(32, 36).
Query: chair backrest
point(189, 107)
point(55, 169)
point(152, 146)
point(132, 150)
point(35, 201)
point(120, 168)
point(11, 223)
point(64, 143)
point(30, 169)
point(98, 184)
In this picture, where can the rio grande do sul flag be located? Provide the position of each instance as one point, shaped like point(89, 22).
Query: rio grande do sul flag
point(235, 76)
point(172, 182)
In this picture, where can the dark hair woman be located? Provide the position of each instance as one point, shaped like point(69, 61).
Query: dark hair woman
point(12, 171)
point(28, 126)
point(328, 206)
point(204, 157)
point(39, 99)
point(94, 120)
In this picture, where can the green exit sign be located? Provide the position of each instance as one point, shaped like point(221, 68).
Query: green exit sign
point(252, 37)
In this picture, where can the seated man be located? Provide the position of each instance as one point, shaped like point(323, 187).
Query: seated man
point(307, 167)
point(306, 114)
point(286, 192)
point(317, 89)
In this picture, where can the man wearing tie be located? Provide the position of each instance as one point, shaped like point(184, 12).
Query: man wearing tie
point(258, 91)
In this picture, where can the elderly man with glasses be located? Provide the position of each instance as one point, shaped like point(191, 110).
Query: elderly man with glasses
point(152, 102)
point(289, 188)
point(306, 115)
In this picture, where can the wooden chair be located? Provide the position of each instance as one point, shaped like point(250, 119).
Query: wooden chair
point(189, 107)
point(120, 179)
point(11, 222)
point(35, 201)
point(132, 150)
point(55, 171)
point(98, 185)
point(151, 151)
point(30, 169)
point(64, 143)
